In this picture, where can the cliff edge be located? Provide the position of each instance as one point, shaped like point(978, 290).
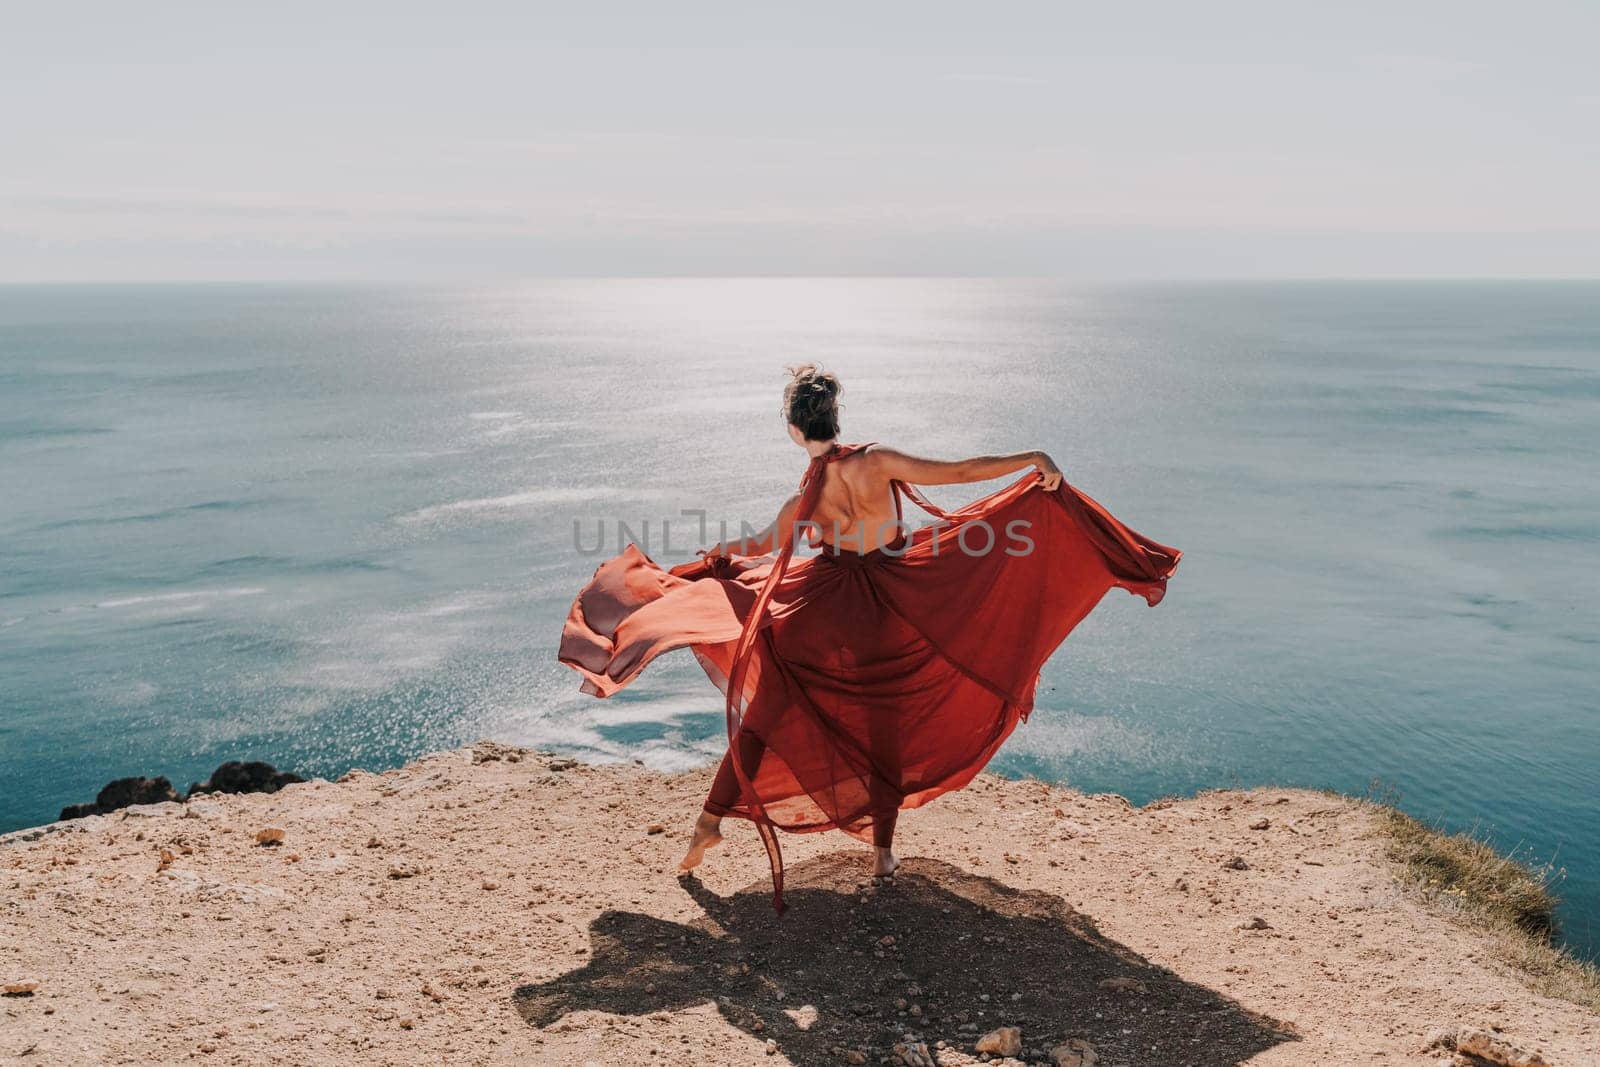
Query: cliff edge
point(494, 905)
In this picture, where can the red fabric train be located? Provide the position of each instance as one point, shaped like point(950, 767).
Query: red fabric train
point(856, 684)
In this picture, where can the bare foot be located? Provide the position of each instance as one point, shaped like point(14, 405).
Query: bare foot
point(707, 834)
point(884, 863)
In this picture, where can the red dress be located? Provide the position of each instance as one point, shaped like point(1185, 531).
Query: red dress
point(860, 684)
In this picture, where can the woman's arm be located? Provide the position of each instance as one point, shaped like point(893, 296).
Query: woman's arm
point(765, 541)
point(918, 471)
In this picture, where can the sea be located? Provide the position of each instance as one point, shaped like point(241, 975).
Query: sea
point(335, 526)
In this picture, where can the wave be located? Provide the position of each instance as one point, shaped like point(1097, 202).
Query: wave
point(281, 564)
point(1575, 533)
point(154, 516)
point(583, 735)
point(170, 598)
point(1585, 386)
point(383, 649)
point(530, 498)
point(40, 433)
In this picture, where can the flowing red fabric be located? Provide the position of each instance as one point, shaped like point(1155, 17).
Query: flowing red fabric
point(859, 684)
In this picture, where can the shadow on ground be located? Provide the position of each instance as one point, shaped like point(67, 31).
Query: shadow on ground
point(912, 961)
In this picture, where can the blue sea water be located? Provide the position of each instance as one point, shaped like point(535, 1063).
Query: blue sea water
point(333, 526)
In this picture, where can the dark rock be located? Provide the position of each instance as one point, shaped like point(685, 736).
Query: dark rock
point(122, 793)
point(251, 777)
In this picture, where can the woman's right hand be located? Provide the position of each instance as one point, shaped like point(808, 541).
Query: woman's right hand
point(1049, 473)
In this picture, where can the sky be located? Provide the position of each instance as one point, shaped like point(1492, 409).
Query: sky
point(290, 141)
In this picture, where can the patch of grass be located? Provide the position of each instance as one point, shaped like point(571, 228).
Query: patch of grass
point(1512, 900)
point(1465, 872)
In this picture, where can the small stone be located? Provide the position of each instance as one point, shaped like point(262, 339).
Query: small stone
point(1256, 923)
point(911, 1054)
point(19, 989)
point(1495, 1049)
point(655, 828)
point(1261, 824)
point(1074, 1052)
point(373, 842)
point(1442, 1038)
point(1235, 863)
point(490, 751)
point(404, 870)
point(563, 764)
point(406, 1024)
point(772, 1047)
point(1122, 985)
point(490, 886)
point(269, 837)
point(804, 1017)
point(855, 1056)
point(1003, 1041)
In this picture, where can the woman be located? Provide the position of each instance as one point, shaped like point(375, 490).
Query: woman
point(887, 669)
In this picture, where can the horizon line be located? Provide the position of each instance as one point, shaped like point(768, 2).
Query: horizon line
point(843, 276)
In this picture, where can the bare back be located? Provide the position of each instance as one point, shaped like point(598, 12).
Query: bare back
point(855, 507)
point(855, 511)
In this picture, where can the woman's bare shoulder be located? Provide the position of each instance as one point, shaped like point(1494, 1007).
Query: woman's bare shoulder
point(878, 451)
point(873, 455)
point(880, 456)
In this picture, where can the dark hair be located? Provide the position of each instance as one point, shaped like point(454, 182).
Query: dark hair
point(811, 402)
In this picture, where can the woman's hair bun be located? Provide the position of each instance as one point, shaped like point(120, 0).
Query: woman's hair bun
point(810, 402)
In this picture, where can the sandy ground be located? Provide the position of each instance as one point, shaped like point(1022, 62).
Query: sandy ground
point(522, 909)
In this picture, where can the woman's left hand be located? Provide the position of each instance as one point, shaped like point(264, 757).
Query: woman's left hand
point(1049, 473)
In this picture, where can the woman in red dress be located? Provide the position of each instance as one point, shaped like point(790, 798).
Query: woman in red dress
point(888, 668)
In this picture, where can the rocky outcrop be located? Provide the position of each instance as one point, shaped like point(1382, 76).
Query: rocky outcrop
point(245, 777)
point(122, 793)
point(234, 776)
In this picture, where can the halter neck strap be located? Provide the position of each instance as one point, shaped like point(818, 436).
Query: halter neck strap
point(838, 451)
